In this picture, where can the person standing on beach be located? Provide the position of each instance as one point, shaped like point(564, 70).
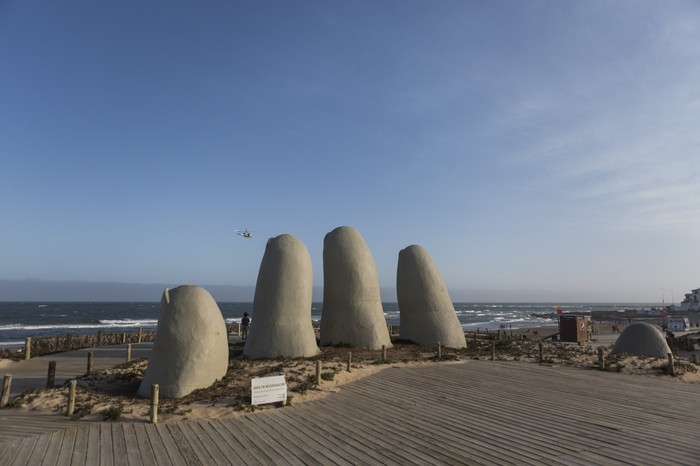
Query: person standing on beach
point(245, 323)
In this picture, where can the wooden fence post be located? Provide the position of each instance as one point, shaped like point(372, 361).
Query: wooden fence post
point(99, 338)
point(493, 351)
point(154, 403)
point(51, 376)
point(318, 372)
point(123, 337)
point(71, 397)
point(139, 336)
point(694, 358)
point(601, 361)
point(539, 345)
point(439, 350)
point(27, 347)
point(350, 361)
point(383, 352)
point(671, 367)
point(90, 357)
point(69, 342)
point(128, 352)
point(6, 384)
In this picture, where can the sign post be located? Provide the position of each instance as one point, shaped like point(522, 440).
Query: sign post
point(268, 390)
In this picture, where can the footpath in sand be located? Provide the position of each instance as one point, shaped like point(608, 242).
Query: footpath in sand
point(32, 373)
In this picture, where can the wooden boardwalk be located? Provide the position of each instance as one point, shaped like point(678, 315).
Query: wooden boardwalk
point(28, 374)
point(478, 412)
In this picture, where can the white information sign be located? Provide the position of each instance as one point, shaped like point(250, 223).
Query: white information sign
point(268, 390)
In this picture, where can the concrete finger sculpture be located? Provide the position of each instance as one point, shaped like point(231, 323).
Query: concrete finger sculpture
point(352, 307)
point(281, 325)
point(642, 339)
point(191, 346)
point(427, 313)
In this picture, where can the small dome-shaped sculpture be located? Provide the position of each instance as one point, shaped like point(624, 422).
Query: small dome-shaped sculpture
point(642, 339)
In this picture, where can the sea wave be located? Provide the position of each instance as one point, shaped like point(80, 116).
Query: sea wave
point(99, 326)
point(129, 322)
point(8, 344)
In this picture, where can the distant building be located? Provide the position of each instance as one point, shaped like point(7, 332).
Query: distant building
point(691, 302)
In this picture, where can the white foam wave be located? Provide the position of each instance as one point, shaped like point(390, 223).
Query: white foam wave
point(7, 344)
point(129, 322)
point(101, 325)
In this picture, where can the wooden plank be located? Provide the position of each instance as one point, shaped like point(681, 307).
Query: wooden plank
point(559, 416)
point(441, 420)
point(65, 454)
point(185, 449)
point(175, 456)
point(80, 446)
point(37, 455)
point(247, 456)
point(17, 424)
point(258, 450)
point(272, 431)
point(210, 446)
point(429, 436)
point(122, 448)
point(556, 423)
point(92, 452)
point(4, 446)
point(222, 443)
point(294, 433)
point(333, 439)
point(20, 452)
point(105, 445)
point(379, 415)
point(160, 450)
point(363, 436)
point(203, 454)
point(127, 438)
point(143, 442)
point(404, 441)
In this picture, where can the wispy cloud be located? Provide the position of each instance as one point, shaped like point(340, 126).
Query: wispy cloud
point(628, 148)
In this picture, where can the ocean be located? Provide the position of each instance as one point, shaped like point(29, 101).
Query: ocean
point(19, 320)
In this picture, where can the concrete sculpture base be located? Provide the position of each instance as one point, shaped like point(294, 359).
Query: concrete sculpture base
point(352, 305)
point(427, 313)
point(191, 346)
point(281, 325)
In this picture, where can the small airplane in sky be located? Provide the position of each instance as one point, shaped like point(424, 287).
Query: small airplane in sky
point(244, 233)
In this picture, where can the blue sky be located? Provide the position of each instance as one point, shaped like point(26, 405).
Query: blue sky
point(537, 150)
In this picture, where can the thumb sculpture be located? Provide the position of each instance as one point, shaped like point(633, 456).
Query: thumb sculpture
point(352, 307)
point(427, 313)
point(281, 325)
point(191, 346)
